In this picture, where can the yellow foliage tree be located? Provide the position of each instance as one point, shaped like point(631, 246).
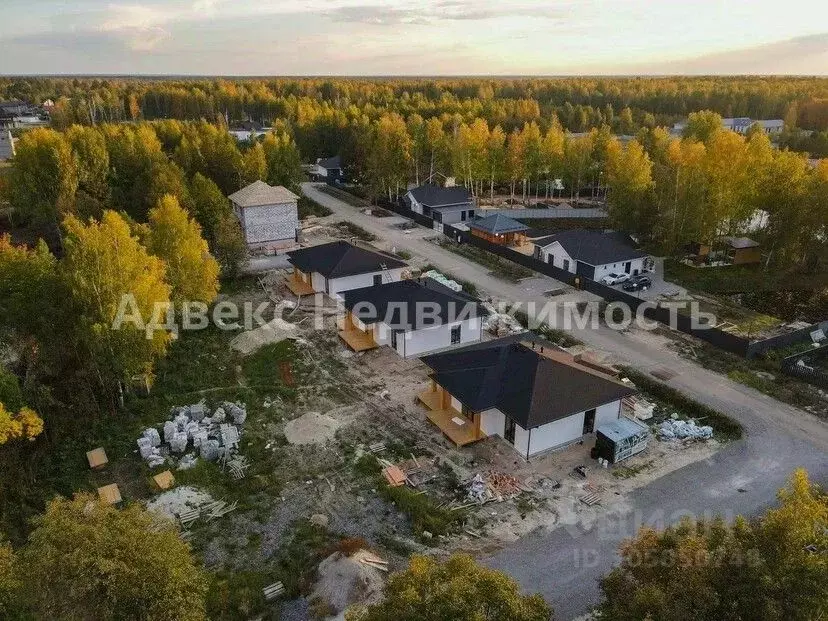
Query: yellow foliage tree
point(176, 239)
point(25, 424)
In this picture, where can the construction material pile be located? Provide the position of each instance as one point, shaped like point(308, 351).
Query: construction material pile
point(684, 429)
point(210, 436)
point(493, 486)
point(501, 324)
point(446, 282)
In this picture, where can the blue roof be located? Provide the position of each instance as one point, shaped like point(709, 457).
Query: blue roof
point(498, 224)
point(621, 429)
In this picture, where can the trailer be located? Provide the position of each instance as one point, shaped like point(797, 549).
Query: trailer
point(621, 439)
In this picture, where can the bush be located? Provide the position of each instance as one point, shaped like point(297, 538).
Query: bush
point(424, 514)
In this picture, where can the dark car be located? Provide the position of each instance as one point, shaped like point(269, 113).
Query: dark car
point(637, 283)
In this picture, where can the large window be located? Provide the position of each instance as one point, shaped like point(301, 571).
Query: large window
point(455, 335)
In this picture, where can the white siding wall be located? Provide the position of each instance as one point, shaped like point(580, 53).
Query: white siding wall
point(318, 282)
point(619, 268)
point(521, 440)
point(415, 206)
point(346, 283)
point(554, 254)
point(418, 342)
point(493, 422)
point(556, 433)
point(269, 223)
point(607, 413)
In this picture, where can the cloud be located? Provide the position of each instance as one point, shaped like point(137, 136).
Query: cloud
point(441, 11)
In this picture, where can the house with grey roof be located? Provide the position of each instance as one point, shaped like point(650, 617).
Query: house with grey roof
point(593, 254)
point(523, 389)
point(268, 215)
point(328, 169)
point(444, 205)
point(412, 317)
point(340, 266)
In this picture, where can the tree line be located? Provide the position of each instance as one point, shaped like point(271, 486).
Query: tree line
point(87, 560)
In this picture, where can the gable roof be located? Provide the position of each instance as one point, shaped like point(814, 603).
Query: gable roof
point(259, 193)
point(435, 196)
point(402, 304)
point(339, 258)
point(330, 163)
point(531, 386)
point(738, 243)
point(497, 224)
point(593, 247)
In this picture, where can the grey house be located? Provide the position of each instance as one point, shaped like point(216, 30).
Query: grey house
point(268, 215)
point(593, 254)
point(443, 205)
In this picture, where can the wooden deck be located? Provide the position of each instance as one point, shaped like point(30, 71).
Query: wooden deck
point(447, 420)
point(299, 287)
point(358, 340)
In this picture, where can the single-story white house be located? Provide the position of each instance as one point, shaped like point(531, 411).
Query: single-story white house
point(592, 254)
point(529, 392)
point(444, 205)
point(339, 266)
point(413, 317)
point(268, 215)
point(328, 169)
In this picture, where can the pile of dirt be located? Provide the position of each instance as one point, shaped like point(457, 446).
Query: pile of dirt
point(273, 331)
point(312, 428)
point(345, 580)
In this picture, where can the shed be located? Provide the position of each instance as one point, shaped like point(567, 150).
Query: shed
point(617, 440)
point(499, 229)
point(743, 250)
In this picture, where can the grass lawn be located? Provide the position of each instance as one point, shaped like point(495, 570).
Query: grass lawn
point(345, 197)
point(739, 278)
point(354, 230)
point(500, 267)
point(309, 207)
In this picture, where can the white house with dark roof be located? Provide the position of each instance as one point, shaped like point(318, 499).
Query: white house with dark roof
point(328, 169)
point(412, 317)
point(339, 266)
point(529, 392)
point(592, 254)
point(444, 205)
point(268, 215)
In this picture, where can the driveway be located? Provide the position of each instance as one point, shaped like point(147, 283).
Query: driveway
point(564, 564)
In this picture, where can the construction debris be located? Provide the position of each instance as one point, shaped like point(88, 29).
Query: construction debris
point(394, 475)
point(500, 324)
point(191, 426)
point(683, 429)
point(164, 480)
point(446, 282)
point(493, 486)
point(97, 458)
point(110, 494)
point(273, 591)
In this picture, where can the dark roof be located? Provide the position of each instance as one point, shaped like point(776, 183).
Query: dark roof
point(330, 163)
point(498, 224)
point(436, 196)
point(398, 304)
point(339, 258)
point(529, 386)
point(594, 247)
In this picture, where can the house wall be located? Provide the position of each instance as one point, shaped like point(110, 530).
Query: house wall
point(418, 342)
point(558, 433)
point(269, 223)
point(618, 268)
point(356, 281)
point(452, 216)
point(554, 254)
point(415, 206)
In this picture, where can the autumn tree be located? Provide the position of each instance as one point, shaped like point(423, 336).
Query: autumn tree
point(772, 568)
point(629, 175)
point(175, 238)
point(44, 178)
point(89, 149)
point(209, 205)
point(702, 125)
point(87, 560)
point(9, 582)
point(230, 247)
point(457, 589)
point(117, 287)
point(254, 164)
point(284, 163)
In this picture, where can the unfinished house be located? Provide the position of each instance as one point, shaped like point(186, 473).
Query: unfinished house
point(413, 317)
point(339, 266)
point(268, 215)
point(525, 390)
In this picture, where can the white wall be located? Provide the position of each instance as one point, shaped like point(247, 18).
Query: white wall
point(557, 254)
point(607, 413)
point(418, 342)
point(415, 206)
point(493, 422)
point(556, 433)
point(618, 268)
point(451, 216)
point(357, 281)
point(318, 282)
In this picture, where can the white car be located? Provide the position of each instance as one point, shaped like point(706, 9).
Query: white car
point(615, 279)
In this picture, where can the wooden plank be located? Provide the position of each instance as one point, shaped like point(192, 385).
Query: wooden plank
point(97, 457)
point(164, 480)
point(110, 494)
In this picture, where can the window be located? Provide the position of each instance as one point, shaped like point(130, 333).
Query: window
point(471, 214)
point(566, 264)
point(589, 421)
point(455, 335)
point(462, 216)
point(377, 279)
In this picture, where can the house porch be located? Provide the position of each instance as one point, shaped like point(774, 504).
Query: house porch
point(455, 425)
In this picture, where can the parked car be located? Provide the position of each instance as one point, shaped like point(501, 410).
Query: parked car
point(638, 283)
point(615, 279)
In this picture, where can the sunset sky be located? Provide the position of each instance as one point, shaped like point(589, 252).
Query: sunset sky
point(425, 37)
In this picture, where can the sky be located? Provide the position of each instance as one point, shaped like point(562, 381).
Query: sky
point(413, 37)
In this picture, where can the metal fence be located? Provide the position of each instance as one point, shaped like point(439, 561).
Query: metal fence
point(553, 213)
point(807, 366)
